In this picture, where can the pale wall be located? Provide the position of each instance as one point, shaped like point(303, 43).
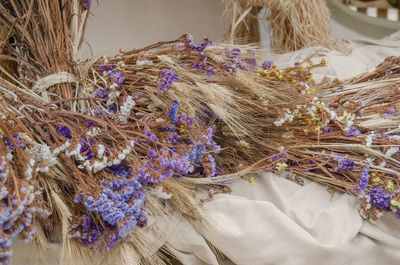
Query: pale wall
point(132, 24)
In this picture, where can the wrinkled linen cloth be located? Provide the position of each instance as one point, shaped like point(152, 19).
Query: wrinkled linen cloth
point(279, 222)
point(276, 221)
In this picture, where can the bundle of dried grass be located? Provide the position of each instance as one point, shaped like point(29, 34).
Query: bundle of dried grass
point(293, 24)
point(347, 138)
point(114, 140)
point(103, 144)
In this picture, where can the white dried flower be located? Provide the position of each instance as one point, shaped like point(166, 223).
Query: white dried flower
point(160, 193)
point(126, 109)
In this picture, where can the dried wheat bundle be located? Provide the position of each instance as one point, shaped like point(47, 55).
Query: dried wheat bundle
point(116, 141)
point(105, 147)
point(346, 136)
point(293, 24)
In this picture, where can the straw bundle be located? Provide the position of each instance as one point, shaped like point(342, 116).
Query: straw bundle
point(90, 151)
point(293, 24)
point(109, 143)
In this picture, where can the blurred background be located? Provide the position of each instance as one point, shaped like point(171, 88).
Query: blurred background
point(130, 24)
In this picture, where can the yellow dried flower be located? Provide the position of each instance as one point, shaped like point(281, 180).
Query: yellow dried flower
point(281, 166)
point(390, 185)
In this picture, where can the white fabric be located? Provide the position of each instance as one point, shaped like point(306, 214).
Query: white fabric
point(277, 221)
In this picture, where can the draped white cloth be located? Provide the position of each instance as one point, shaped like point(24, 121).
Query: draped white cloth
point(277, 221)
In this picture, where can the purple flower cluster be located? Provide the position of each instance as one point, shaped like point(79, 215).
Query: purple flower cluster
point(101, 93)
point(364, 180)
point(197, 152)
point(117, 76)
point(120, 170)
point(151, 135)
point(15, 214)
point(87, 231)
point(152, 154)
point(191, 44)
point(166, 79)
point(212, 167)
point(16, 139)
point(85, 4)
point(64, 131)
point(178, 119)
point(199, 48)
point(343, 163)
point(267, 64)
point(208, 136)
point(173, 112)
point(234, 61)
point(163, 167)
point(353, 132)
point(173, 137)
point(278, 156)
point(120, 205)
point(380, 199)
point(390, 113)
point(327, 129)
point(90, 124)
point(85, 148)
point(106, 68)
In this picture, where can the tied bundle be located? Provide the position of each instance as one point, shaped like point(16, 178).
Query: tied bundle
point(346, 136)
point(293, 25)
point(95, 152)
point(106, 145)
point(104, 158)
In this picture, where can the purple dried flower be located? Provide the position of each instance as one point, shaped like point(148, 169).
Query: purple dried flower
point(267, 64)
point(9, 143)
point(103, 68)
point(120, 170)
point(210, 71)
point(278, 156)
point(167, 78)
point(253, 62)
point(119, 205)
point(213, 166)
point(343, 163)
point(353, 132)
point(182, 118)
point(101, 93)
point(364, 179)
point(198, 47)
point(152, 136)
point(16, 138)
point(65, 131)
point(380, 199)
point(199, 66)
point(197, 152)
point(173, 137)
point(189, 121)
point(209, 135)
point(327, 129)
point(173, 111)
point(153, 154)
point(136, 96)
point(118, 77)
point(86, 4)
point(90, 124)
